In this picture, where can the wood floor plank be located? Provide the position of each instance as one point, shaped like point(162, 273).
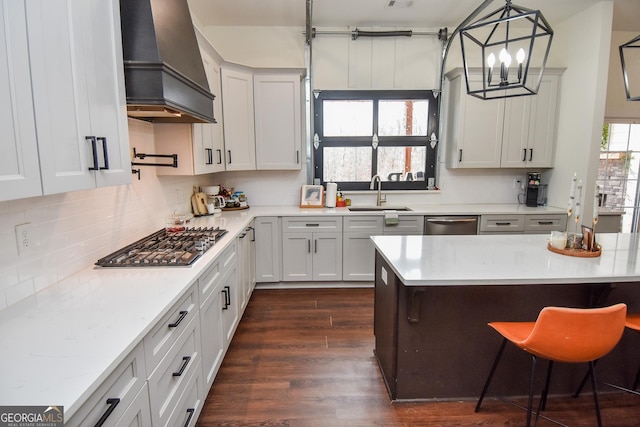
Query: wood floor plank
point(305, 358)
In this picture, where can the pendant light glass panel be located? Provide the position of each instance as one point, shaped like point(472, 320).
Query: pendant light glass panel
point(630, 58)
point(509, 49)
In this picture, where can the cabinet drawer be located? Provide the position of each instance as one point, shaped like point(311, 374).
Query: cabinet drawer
point(545, 223)
point(314, 224)
point(115, 394)
point(160, 339)
point(366, 224)
point(502, 223)
point(212, 276)
point(190, 405)
point(407, 225)
point(170, 378)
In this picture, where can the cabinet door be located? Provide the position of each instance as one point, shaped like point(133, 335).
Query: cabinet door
point(277, 121)
point(359, 257)
point(297, 258)
point(211, 336)
point(267, 265)
point(515, 146)
point(229, 303)
point(542, 128)
point(237, 111)
point(475, 128)
point(19, 166)
point(327, 256)
point(78, 91)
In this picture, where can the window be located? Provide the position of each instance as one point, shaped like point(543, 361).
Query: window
point(359, 134)
point(618, 172)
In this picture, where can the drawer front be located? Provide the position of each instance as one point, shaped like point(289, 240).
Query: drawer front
point(169, 380)
point(502, 223)
point(138, 413)
point(314, 224)
point(212, 277)
point(407, 225)
point(115, 394)
point(160, 339)
point(190, 405)
point(545, 223)
point(367, 224)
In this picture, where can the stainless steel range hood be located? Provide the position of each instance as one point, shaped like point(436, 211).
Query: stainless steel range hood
point(164, 76)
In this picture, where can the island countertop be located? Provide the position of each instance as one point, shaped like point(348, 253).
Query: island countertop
point(505, 260)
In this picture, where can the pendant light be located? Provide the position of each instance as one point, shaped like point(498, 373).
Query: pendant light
point(505, 47)
point(630, 58)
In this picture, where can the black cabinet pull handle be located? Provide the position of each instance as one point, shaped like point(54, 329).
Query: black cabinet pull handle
point(227, 296)
point(185, 362)
point(524, 154)
point(545, 222)
point(190, 411)
point(309, 246)
point(219, 156)
point(224, 291)
point(183, 314)
point(312, 225)
point(92, 140)
point(530, 154)
point(503, 223)
point(209, 152)
point(243, 235)
point(105, 155)
point(229, 159)
point(112, 402)
point(315, 246)
point(460, 155)
point(297, 156)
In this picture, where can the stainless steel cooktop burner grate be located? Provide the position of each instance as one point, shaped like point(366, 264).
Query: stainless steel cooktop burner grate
point(165, 248)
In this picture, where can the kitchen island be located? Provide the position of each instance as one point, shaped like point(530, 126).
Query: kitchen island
point(434, 296)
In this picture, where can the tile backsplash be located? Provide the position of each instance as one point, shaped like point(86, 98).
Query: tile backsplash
point(70, 231)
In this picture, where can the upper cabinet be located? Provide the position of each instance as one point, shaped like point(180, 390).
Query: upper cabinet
point(516, 132)
point(237, 111)
point(278, 124)
point(76, 80)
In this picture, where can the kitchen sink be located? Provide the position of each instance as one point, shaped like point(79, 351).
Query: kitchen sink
point(378, 208)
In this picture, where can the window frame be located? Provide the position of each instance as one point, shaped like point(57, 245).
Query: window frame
point(383, 141)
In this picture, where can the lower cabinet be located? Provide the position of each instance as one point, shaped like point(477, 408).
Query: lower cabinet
point(407, 225)
point(267, 244)
point(359, 252)
point(519, 223)
point(246, 266)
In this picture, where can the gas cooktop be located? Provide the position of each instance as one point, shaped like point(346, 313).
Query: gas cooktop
point(165, 248)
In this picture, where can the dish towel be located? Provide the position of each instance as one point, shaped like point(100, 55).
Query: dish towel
point(390, 217)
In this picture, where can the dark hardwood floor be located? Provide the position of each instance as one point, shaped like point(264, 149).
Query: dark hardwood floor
point(305, 358)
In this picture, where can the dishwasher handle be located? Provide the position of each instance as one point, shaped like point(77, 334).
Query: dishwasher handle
point(451, 220)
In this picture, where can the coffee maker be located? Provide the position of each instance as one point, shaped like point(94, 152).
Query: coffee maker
point(533, 189)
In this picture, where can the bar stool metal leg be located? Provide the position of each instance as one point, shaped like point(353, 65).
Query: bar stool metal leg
point(490, 377)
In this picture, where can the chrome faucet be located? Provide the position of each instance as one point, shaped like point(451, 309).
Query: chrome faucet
point(372, 186)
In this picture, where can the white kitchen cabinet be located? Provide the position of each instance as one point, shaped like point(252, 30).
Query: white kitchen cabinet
point(268, 262)
point(312, 249)
point(544, 223)
point(246, 266)
point(238, 116)
point(529, 140)
point(517, 132)
point(359, 251)
point(407, 225)
point(199, 146)
point(540, 223)
point(19, 165)
point(278, 122)
point(77, 78)
point(230, 315)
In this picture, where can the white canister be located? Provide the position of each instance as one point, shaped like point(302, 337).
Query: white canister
point(330, 196)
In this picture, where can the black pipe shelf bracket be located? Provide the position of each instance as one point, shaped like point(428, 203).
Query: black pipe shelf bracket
point(142, 156)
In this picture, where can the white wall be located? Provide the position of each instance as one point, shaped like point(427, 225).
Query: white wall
point(71, 231)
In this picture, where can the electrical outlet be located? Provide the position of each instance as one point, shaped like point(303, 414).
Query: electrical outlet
point(23, 238)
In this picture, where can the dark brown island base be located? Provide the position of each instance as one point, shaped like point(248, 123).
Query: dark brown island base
point(434, 296)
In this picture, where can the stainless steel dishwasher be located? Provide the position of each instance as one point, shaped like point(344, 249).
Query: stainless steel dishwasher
point(454, 224)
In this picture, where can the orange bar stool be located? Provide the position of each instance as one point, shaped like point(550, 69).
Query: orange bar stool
point(560, 334)
point(633, 322)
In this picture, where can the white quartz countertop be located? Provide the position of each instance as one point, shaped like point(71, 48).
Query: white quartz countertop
point(505, 260)
point(59, 345)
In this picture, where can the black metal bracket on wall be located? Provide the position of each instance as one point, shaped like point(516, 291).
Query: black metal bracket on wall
point(142, 156)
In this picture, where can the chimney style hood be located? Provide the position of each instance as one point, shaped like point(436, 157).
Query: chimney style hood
point(164, 76)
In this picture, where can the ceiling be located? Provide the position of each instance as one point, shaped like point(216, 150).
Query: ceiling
point(403, 13)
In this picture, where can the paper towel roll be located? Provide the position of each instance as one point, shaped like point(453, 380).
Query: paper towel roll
point(330, 197)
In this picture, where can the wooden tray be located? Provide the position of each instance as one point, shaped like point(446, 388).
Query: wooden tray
point(582, 253)
point(236, 209)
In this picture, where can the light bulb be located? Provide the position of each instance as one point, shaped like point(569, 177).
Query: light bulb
point(491, 60)
point(503, 55)
point(507, 60)
point(520, 56)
